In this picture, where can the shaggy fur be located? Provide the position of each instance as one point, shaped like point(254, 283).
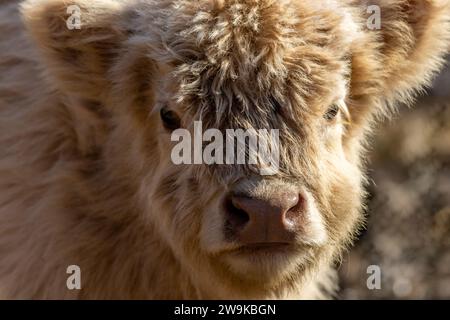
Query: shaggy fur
point(85, 170)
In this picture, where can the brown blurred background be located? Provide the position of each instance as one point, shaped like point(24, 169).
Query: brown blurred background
point(408, 229)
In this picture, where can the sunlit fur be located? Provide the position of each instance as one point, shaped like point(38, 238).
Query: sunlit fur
point(85, 171)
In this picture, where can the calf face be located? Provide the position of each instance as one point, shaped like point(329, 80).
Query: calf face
point(313, 71)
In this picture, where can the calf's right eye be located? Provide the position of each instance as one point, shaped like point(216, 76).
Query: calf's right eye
point(171, 121)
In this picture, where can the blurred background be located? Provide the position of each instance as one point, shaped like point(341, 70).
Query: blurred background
point(408, 229)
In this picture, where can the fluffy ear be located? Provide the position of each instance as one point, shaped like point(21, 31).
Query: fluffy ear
point(414, 36)
point(79, 40)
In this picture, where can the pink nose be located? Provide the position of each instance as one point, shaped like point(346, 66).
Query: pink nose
point(265, 221)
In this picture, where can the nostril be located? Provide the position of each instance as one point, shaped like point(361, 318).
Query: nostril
point(236, 216)
point(296, 211)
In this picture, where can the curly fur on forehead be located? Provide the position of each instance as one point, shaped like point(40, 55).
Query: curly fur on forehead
point(221, 47)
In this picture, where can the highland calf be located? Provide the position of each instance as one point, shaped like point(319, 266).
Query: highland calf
point(86, 116)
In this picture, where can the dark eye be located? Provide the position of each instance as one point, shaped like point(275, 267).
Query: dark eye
point(332, 112)
point(170, 119)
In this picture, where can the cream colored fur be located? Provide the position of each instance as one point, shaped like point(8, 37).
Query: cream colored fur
point(85, 171)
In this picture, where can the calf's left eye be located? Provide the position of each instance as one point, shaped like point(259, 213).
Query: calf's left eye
point(332, 112)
